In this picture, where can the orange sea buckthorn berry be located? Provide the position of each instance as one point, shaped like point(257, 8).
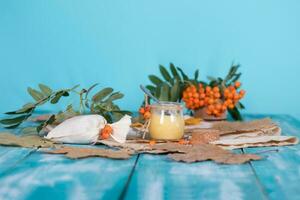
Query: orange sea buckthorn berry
point(216, 89)
point(231, 88)
point(196, 95)
point(237, 84)
point(147, 115)
point(224, 107)
point(210, 101)
point(230, 96)
point(242, 92)
point(183, 142)
point(217, 95)
point(142, 111)
point(208, 89)
point(231, 106)
point(208, 112)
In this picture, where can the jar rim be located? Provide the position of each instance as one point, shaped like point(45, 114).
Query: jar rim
point(167, 105)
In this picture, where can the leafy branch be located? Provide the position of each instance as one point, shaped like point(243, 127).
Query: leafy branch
point(172, 83)
point(101, 103)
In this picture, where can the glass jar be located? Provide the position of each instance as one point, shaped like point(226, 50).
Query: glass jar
point(166, 122)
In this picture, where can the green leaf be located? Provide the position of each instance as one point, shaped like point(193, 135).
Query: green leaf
point(56, 97)
point(115, 96)
point(236, 77)
point(164, 92)
point(155, 80)
point(90, 89)
point(50, 120)
point(174, 71)
point(36, 95)
point(184, 76)
point(30, 130)
point(102, 94)
point(45, 89)
point(14, 120)
point(165, 73)
point(151, 88)
point(175, 91)
point(27, 108)
point(235, 114)
point(196, 75)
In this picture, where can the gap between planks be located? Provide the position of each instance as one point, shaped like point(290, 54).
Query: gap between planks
point(258, 182)
point(124, 191)
point(18, 162)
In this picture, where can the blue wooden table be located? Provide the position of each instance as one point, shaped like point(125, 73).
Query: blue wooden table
point(30, 174)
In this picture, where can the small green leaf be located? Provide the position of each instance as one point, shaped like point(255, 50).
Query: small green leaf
point(27, 108)
point(102, 94)
point(164, 92)
point(184, 76)
point(115, 96)
point(14, 120)
point(196, 75)
point(151, 88)
point(36, 95)
point(235, 114)
point(90, 89)
point(45, 89)
point(174, 71)
point(175, 91)
point(30, 130)
point(155, 80)
point(164, 72)
point(58, 95)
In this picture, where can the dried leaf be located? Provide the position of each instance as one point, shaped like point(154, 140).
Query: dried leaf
point(204, 136)
point(28, 141)
point(211, 152)
point(78, 152)
point(240, 127)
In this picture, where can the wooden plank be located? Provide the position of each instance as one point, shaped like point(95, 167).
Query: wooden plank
point(45, 176)
point(279, 172)
point(157, 177)
point(10, 157)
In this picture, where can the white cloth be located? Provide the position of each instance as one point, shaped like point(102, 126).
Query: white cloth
point(85, 129)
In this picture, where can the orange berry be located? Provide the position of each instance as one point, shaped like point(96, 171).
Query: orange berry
point(237, 84)
point(183, 142)
point(201, 103)
point(231, 106)
point(230, 96)
point(152, 142)
point(196, 95)
point(210, 101)
point(215, 112)
point(210, 107)
point(208, 112)
point(231, 88)
point(190, 94)
point(217, 95)
point(242, 92)
point(208, 89)
point(147, 115)
point(147, 108)
point(216, 89)
point(218, 106)
point(142, 111)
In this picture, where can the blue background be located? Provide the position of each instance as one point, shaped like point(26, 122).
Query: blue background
point(119, 42)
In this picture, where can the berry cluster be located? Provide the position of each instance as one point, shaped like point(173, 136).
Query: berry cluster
point(145, 112)
point(106, 132)
point(213, 99)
